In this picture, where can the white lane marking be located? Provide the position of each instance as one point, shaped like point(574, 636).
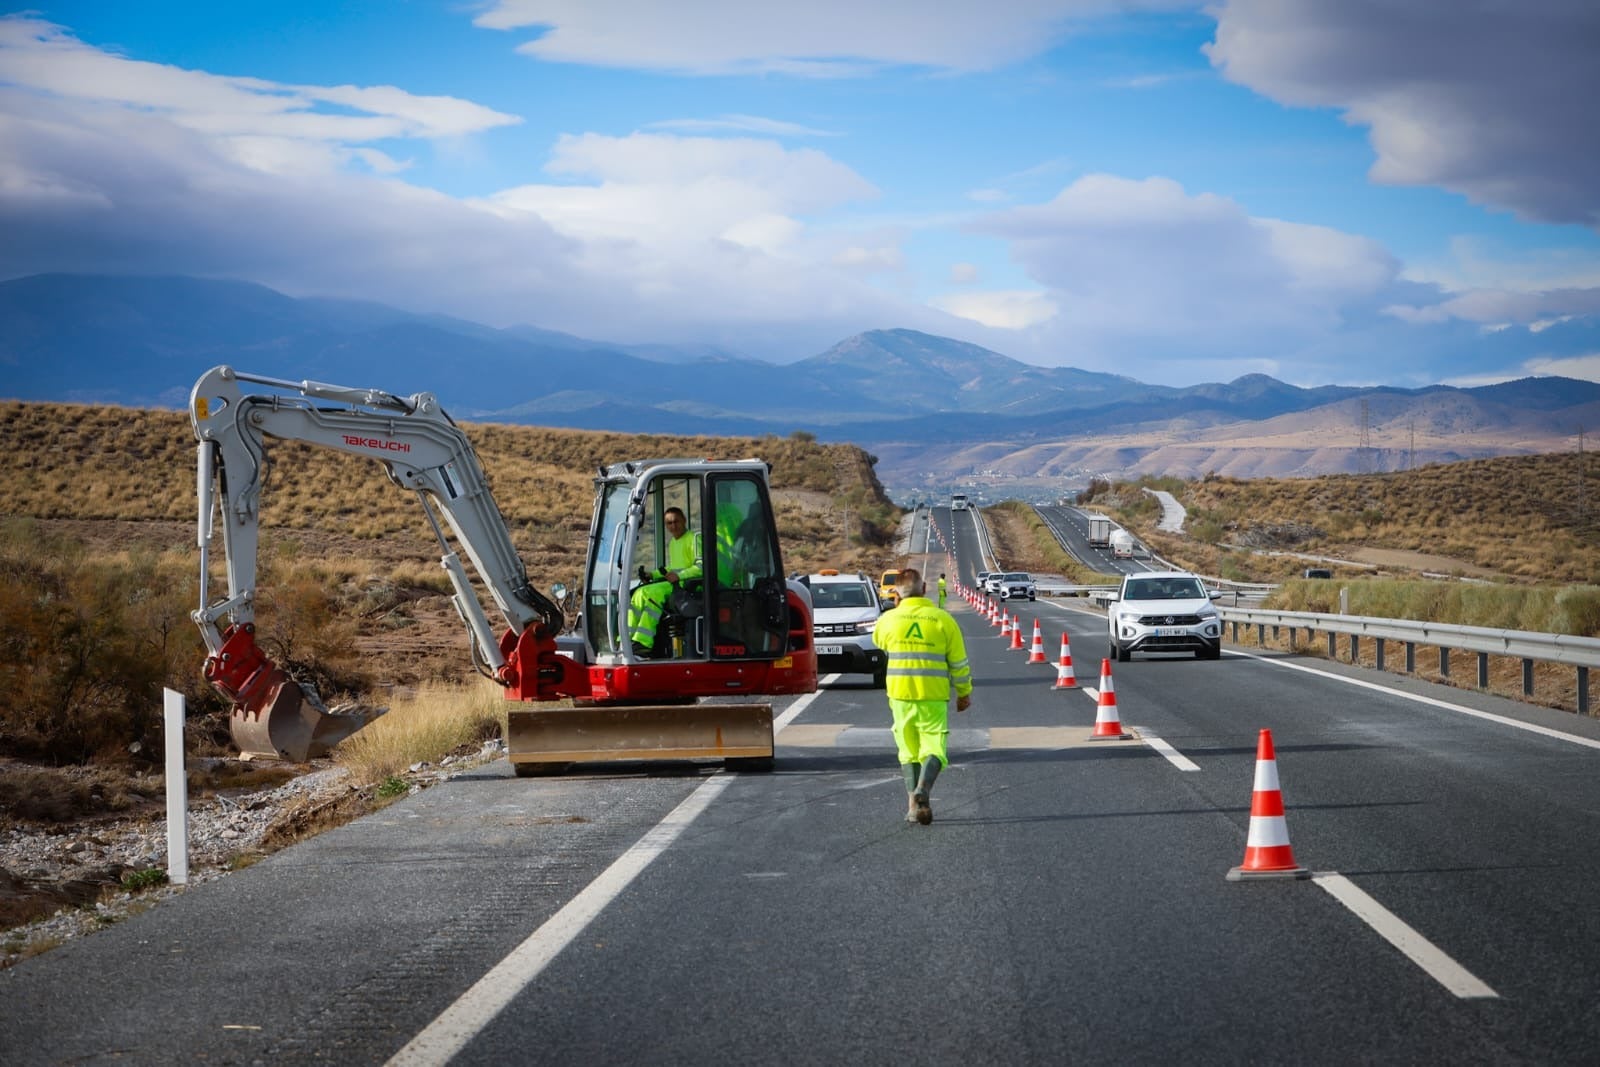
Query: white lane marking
point(1173, 756)
point(1446, 705)
point(1424, 953)
point(792, 712)
point(458, 1024)
point(463, 1020)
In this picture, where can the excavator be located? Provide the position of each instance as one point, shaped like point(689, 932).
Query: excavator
point(591, 694)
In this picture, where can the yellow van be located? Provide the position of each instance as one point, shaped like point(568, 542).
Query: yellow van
point(886, 587)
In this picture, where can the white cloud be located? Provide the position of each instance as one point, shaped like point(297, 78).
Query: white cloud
point(1492, 100)
point(1145, 258)
point(963, 273)
point(1586, 367)
point(740, 124)
point(821, 38)
point(1015, 309)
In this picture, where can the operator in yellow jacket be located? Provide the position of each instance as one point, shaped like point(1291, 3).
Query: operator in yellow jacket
point(684, 565)
point(927, 656)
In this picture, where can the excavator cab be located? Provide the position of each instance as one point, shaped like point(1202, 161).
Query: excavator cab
point(732, 608)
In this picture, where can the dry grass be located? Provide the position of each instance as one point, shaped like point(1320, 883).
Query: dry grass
point(435, 720)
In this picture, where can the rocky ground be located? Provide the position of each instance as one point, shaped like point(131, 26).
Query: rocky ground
point(64, 881)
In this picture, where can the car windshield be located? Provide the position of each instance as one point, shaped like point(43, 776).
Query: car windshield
point(1165, 589)
point(840, 596)
point(1016, 577)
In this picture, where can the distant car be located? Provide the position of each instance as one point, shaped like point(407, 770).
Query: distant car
point(844, 608)
point(888, 587)
point(980, 581)
point(991, 584)
point(1163, 611)
point(1014, 585)
point(1318, 572)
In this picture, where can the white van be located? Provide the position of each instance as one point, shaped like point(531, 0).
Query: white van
point(958, 502)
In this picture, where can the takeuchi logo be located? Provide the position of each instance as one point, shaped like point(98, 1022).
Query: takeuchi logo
point(357, 441)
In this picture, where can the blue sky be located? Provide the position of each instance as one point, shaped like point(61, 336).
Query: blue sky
point(1321, 190)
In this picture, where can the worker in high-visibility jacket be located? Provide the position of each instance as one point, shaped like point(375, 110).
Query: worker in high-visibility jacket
point(941, 590)
point(684, 565)
point(927, 658)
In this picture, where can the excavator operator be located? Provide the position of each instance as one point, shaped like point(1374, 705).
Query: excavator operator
point(684, 556)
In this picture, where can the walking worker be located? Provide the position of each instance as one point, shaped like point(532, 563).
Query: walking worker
point(941, 589)
point(927, 656)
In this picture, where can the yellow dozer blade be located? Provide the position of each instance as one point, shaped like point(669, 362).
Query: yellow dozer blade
point(286, 725)
point(544, 740)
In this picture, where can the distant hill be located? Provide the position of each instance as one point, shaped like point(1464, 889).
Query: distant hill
point(934, 409)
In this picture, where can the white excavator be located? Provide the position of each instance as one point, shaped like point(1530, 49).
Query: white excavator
point(594, 694)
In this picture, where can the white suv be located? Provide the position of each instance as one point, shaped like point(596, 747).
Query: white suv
point(1014, 585)
point(1164, 611)
point(844, 608)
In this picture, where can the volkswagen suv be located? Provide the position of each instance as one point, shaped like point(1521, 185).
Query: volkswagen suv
point(844, 608)
point(1163, 611)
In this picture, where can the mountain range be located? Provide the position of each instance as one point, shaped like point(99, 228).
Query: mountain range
point(935, 410)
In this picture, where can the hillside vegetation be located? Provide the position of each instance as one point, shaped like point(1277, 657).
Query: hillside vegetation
point(101, 566)
point(1512, 519)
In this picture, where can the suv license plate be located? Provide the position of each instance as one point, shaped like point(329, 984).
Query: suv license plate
point(830, 650)
point(1171, 631)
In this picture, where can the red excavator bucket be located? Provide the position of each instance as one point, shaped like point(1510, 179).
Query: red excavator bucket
point(286, 725)
point(273, 717)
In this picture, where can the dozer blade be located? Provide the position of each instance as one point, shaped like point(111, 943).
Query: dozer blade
point(538, 736)
point(286, 725)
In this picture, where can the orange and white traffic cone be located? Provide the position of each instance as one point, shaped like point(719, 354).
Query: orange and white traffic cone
point(996, 619)
point(1036, 652)
point(1016, 632)
point(1107, 727)
point(1005, 625)
point(1266, 851)
point(1065, 679)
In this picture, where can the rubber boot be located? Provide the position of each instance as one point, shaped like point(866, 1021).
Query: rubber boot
point(919, 800)
point(909, 772)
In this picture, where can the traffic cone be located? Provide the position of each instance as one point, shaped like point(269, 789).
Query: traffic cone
point(997, 619)
point(1036, 652)
point(1065, 679)
point(1005, 624)
point(1266, 851)
point(1107, 727)
point(1016, 632)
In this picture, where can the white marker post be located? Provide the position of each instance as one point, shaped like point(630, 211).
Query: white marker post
point(177, 791)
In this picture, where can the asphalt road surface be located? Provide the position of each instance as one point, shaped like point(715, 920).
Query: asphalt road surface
point(1068, 905)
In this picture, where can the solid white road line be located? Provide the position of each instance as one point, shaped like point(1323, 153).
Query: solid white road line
point(463, 1020)
point(1445, 704)
point(1424, 953)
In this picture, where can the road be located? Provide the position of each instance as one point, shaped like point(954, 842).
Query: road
point(1068, 904)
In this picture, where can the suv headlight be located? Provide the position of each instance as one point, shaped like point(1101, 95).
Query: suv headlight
point(865, 627)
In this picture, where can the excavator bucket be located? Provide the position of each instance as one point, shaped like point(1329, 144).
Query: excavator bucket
point(284, 724)
point(543, 740)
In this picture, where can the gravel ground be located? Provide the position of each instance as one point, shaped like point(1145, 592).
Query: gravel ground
point(83, 866)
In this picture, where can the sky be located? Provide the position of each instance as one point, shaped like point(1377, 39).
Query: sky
point(1353, 192)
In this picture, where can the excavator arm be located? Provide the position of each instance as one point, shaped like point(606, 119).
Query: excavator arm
point(424, 451)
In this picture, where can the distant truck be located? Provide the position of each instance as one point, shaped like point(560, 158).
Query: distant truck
point(1122, 544)
point(958, 502)
point(1099, 531)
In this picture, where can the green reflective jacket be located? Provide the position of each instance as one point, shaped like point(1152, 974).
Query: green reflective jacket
point(925, 649)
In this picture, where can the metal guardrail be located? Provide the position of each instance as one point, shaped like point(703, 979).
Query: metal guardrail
point(1581, 653)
